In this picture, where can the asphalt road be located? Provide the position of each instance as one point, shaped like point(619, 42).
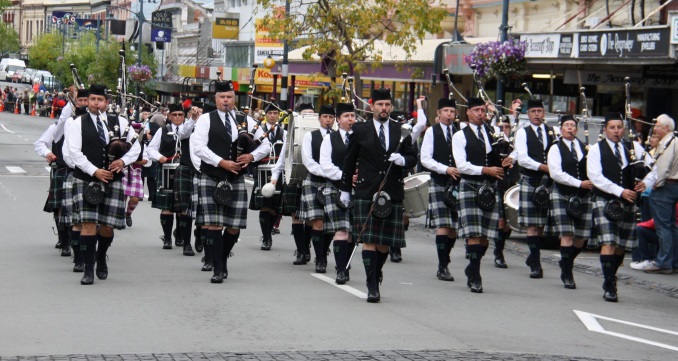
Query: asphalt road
point(158, 302)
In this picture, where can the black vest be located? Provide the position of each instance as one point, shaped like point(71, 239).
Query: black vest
point(535, 149)
point(57, 150)
point(220, 143)
point(442, 153)
point(185, 158)
point(571, 166)
point(339, 150)
point(92, 147)
point(612, 170)
point(167, 142)
point(476, 154)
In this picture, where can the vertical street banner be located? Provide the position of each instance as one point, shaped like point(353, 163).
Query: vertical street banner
point(264, 45)
point(161, 30)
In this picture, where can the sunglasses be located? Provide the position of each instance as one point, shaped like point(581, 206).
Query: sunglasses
point(177, 114)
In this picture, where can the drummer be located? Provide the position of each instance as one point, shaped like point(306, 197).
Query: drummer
point(312, 211)
point(165, 149)
point(567, 166)
point(268, 207)
point(332, 154)
point(437, 157)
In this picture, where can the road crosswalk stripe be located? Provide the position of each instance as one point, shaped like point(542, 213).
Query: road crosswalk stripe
point(346, 288)
point(15, 170)
point(49, 169)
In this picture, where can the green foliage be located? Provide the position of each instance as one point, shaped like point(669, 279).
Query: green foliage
point(9, 40)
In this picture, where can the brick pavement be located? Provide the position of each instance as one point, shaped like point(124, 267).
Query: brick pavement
point(381, 355)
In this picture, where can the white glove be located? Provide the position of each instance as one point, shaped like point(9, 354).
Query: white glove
point(345, 198)
point(397, 159)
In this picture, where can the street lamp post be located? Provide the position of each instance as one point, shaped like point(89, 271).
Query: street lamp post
point(504, 35)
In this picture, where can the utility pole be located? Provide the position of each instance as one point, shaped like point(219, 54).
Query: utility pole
point(504, 35)
point(142, 20)
point(283, 84)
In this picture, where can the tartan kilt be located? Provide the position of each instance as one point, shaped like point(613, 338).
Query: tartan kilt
point(388, 231)
point(183, 188)
point(66, 214)
point(111, 212)
point(336, 219)
point(164, 198)
point(310, 206)
point(291, 200)
point(55, 195)
point(208, 212)
point(473, 221)
point(620, 234)
point(258, 201)
point(529, 214)
point(566, 225)
point(134, 187)
point(438, 212)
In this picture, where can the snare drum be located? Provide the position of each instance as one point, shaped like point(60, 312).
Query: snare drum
point(415, 203)
point(167, 176)
point(511, 203)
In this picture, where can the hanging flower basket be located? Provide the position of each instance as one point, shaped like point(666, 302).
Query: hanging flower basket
point(140, 74)
point(499, 60)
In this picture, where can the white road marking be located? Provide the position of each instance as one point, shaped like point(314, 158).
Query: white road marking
point(590, 321)
point(49, 169)
point(15, 170)
point(346, 288)
point(406, 283)
point(5, 128)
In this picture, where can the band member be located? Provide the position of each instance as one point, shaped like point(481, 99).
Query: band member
point(437, 158)
point(571, 196)
point(312, 211)
point(268, 207)
point(614, 211)
point(532, 145)
point(134, 185)
point(478, 203)
point(332, 153)
point(377, 145)
point(214, 143)
point(88, 139)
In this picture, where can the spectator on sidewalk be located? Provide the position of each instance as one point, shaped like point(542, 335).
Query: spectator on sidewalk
point(645, 253)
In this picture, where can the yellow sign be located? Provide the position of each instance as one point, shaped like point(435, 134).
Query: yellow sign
point(223, 28)
point(263, 76)
point(187, 71)
point(264, 45)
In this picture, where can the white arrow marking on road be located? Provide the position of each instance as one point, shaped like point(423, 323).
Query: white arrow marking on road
point(5, 128)
point(348, 289)
point(592, 324)
point(15, 170)
point(49, 169)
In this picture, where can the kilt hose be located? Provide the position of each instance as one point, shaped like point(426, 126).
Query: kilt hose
point(529, 215)
point(55, 195)
point(620, 234)
point(131, 180)
point(208, 212)
point(439, 214)
point(566, 225)
point(291, 200)
point(473, 221)
point(310, 205)
point(389, 231)
point(336, 219)
point(183, 189)
point(110, 212)
point(66, 215)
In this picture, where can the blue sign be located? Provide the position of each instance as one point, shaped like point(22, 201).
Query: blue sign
point(161, 35)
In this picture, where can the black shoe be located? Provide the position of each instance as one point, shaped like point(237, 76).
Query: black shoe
point(66, 252)
point(499, 262)
point(218, 278)
point(78, 267)
point(178, 241)
point(188, 250)
point(307, 256)
point(536, 271)
point(342, 278)
point(128, 220)
point(320, 266)
point(610, 294)
point(275, 231)
point(477, 286)
point(102, 270)
point(444, 274)
point(57, 245)
point(373, 295)
point(469, 276)
point(266, 244)
point(569, 283)
point(206, 267)
point(166, 243)
point(88, 277)
point(300, 260)
point(396, 257)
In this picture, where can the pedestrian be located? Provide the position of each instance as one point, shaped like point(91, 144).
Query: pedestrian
point(133, 184)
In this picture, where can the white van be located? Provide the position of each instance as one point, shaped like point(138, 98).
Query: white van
point(9, 66)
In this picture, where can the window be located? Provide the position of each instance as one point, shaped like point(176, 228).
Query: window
point(239, 56)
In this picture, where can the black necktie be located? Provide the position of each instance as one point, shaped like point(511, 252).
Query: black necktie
point(227, 124)
point(574, 151)
point(539, 136)
point(480, 135)
point(617, 154)
point(100, 130)
point(329, 131)
point(346, 139)
point(382, 137)
point(449, 136)
point(176, 130)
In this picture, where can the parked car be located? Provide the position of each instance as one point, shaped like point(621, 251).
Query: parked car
point(28, 76)
point(50, 82)
point(18, 75)
point(9, 66)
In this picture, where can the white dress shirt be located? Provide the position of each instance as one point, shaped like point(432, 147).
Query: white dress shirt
point(73, 142)
point(198, 145)
point(43, 145)
point(64, 149)
point(377, 127)
point(331, 171)
point(556, 167)
point(520, 146)
point(427, 150)
point(418, 128)
point(153, 148)
point(280, 163)
point(667, 149)
point(594, 168)
point(186, 129)
point(459, 151)
point(311, 165)
point(66, 112)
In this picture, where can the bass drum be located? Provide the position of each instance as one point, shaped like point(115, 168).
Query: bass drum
point(415, 203)
point(511, 202)
point(299, 125)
